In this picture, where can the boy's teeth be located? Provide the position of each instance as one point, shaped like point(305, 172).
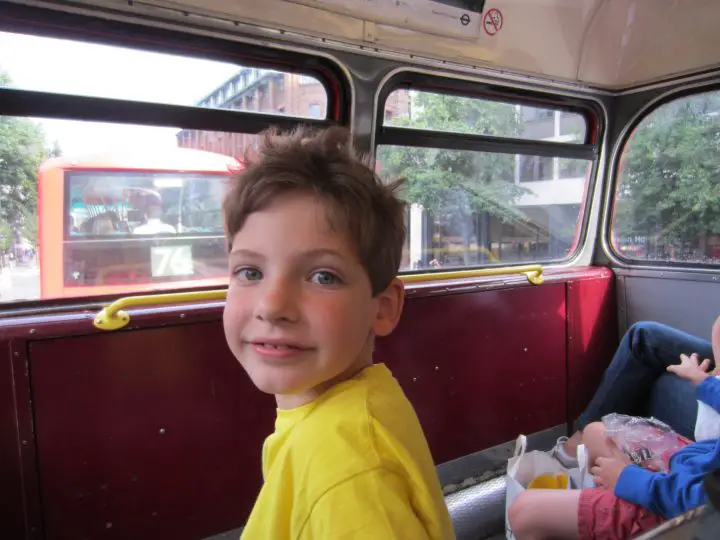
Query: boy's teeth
point(276, 346)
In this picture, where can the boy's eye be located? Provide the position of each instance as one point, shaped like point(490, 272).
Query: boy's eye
point(249, 274)
point(325, 278)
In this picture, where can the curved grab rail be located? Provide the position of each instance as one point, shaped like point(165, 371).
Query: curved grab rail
point(114, 316)
point(533, 272)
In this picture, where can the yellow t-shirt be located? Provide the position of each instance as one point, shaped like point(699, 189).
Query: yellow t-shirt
point(352, 464)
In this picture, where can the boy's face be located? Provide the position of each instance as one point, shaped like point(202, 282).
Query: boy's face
point(300, 314)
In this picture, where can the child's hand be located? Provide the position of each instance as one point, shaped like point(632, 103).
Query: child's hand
point(607, 471)
point(691, 369)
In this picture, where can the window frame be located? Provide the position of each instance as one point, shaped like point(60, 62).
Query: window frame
point(609, 200)
point(42, 22)
point(33, 21)
point(590, 149)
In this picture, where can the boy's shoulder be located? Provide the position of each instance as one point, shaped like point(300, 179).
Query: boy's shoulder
point(356, 419)
point(365, 399)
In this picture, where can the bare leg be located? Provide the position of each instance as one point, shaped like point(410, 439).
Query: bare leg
point(540, 514)
point(598, 444)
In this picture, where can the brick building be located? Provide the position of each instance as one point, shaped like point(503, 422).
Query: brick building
point(273, 92)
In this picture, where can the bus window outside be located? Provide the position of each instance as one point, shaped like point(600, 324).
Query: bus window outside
point(473, 208)
point(667, 199)
point(141, 228)
point(97, 208)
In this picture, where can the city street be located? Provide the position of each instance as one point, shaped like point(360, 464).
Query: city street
point(20, 283)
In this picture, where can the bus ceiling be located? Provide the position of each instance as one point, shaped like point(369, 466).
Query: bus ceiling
point(610, 44)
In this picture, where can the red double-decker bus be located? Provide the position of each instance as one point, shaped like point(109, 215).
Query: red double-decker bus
point(121, 223)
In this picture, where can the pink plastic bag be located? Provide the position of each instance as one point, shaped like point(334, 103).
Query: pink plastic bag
point(648, 442)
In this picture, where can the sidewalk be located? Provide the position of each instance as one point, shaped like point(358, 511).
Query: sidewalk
point(5, 282)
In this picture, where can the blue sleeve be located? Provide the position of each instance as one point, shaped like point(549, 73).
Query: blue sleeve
point(708, 392)
point(667, 494)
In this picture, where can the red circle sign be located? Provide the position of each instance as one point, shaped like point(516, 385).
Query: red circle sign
point(493, 21)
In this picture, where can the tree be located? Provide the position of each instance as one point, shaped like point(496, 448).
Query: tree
point(460, 188)
point(669, 187)
point(30, 227)
point(6, 236)
point(22, 150)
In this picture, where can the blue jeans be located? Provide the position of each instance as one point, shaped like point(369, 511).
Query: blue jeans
point(636, 381)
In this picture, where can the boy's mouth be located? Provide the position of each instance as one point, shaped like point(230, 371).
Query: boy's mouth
point(278, 345)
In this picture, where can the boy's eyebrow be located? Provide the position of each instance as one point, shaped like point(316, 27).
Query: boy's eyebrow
point(319, 252)
point(310, 254)
point(246, 253)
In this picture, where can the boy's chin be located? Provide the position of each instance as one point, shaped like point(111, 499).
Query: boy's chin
point(280, 385)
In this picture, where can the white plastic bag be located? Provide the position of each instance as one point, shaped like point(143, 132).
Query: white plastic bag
point(580, 478)
point(522, 469)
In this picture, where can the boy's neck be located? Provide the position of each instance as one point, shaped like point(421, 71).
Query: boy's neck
point(293, 401)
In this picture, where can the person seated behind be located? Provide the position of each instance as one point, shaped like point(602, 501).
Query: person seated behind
point(628, 499)
point(315, 241)
point(153, 221)
point(103, 224)
point(637, 383)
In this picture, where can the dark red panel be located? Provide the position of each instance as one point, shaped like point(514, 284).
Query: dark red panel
point(146, 434)
point(592, 334)
point(482, 367)
point(12, 514)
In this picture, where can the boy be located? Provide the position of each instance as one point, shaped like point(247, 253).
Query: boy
point(315, 243)
point(628, 499)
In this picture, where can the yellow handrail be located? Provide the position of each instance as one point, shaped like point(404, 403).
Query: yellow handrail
point(532, 271)
point(114, 316)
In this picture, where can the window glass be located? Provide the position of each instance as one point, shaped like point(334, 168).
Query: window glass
point(96, 208)
point(476, 208)
point(93, 208)
point(103, 203)
point(667, 201)
point(121, 73)
point(472, 208)
point(443, 112)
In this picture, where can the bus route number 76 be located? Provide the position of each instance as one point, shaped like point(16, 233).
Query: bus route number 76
point(171, 261)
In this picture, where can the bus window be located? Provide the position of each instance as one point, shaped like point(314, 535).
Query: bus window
point(145, 203)
point(113, 212)
point(473, 208)
point(130, 220)
point(106, 71)
point(667, 201)
point(94, 208)
point(458, 114)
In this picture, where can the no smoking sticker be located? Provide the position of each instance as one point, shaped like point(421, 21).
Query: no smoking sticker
point(493, 22)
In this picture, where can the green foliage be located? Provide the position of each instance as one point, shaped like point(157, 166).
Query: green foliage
point(22, 150)
point(669, 188)
point(6, 236)
point(30, 227)
point(450, 183)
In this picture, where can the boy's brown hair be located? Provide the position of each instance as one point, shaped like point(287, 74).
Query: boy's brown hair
point(324, 163)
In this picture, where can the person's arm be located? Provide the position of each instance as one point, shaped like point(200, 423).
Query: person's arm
point(370, 505)
point(667, 494)
point(708, 391)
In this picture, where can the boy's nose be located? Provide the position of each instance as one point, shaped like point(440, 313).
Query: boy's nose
point(278, 302)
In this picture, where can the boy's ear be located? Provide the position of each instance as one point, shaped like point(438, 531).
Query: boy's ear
point(390, 306)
